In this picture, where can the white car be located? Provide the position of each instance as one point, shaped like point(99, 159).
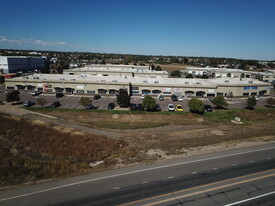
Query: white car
point(180, 98)
point(142, 96)
point(170, 108)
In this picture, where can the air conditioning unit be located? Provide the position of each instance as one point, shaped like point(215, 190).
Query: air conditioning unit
point(250, 82)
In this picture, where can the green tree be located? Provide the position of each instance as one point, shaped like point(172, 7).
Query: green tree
point(185, 61)
point(149, 103)
point(153, 67)
point(230, 95)
point(251, 102)
point(84, 101)
point(190, 76)
point(158, 68)
point(2, 79)
point(12, 96)
point(270, 101)
point(175, 74)
point(196, 105)
point(123, 99)
point(41, 101)
point(204, 76)
point(220, 101)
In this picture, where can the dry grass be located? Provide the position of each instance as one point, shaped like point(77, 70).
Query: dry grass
point(30, 150)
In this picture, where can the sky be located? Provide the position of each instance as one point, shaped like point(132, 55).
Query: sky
point(243, 29)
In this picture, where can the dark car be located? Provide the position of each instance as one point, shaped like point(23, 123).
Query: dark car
point(111, 105)
point(58, 95)
point(90, 106)
point(208, 108)
point(97, 96)
point(157, 108)
point(28, 103)
point(174, 98)
point(139, 107)
point(55, 104)
point(133, 107)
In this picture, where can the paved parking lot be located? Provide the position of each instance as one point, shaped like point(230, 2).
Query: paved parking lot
point(71, 101)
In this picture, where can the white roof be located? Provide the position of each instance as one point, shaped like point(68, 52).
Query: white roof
point(118, 69)
point(216, 69)
point(180, 82)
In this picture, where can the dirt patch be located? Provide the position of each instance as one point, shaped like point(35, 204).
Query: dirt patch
point(217, 132)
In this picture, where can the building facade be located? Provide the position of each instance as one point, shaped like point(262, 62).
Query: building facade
point(110, 85)
point(22, 64)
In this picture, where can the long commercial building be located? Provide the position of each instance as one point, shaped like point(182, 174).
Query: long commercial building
point(109, 85)
point(117, 70)
point(23, 64)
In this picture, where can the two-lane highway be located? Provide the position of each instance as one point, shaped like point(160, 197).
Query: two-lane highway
point(136, 183)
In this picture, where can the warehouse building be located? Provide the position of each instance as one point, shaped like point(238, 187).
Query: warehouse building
point(117, 70)
point(109, 85)
point(218, 72)
point(21, 64)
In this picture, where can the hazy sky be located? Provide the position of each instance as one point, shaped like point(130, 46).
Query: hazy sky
point(219, 28)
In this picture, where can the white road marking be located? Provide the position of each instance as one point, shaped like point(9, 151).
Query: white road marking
point(72, 106)
point(234, 165)
point(79, 107)
point(268, 158)
point(66, 106)
point(252, 198)
point(194, 172)
point(215, 168)
point(252, 161)
point(116, 188)
point(133, 172)
point(145, 182)
point(171, 177)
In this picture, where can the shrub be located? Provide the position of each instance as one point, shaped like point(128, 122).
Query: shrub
point(220, 101)
point(12, 96)
point(41, 101)
point(84, 101)
point(196, 105)
point(123, 99)
point(270, 101)
point(149, 103)
point(251, 102)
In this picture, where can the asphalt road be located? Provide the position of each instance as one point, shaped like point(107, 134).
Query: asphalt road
point(172, 177)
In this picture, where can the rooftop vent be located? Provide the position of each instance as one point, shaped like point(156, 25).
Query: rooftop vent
point(198, 82)
point(186, 82)
point(250, 82)
point(61, 79)
point(156, 82)
point(227, 81)
point(146, 82)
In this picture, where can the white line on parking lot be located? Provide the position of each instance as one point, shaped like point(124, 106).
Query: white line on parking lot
point(79, 107)
point(66, 106)
point(72, 106)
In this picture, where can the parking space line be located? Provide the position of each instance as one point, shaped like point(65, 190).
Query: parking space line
point(66, 106)
point(79, 107)
point(72, 106)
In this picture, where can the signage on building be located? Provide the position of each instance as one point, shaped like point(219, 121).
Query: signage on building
point(166, 90)
point(79, 87)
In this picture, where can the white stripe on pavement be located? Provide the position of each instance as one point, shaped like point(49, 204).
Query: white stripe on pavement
point(252, 198)
point(133, 172)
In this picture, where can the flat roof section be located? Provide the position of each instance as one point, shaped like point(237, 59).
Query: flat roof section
point(141, 80)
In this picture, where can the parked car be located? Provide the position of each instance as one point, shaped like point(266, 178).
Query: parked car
point(55, 104)
point(111, 105)
point(170, 108)
point(140, 107)
point(179, 108)
point(142, 96)
point(58, 95)
point(157, 108)
point(133, 107)
point(174, 97)
point(90, 106)
point(161, 98)
point(208, 108)
point(97, 96)
point(28, 103)
point(35, 93)
point(180, 98)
